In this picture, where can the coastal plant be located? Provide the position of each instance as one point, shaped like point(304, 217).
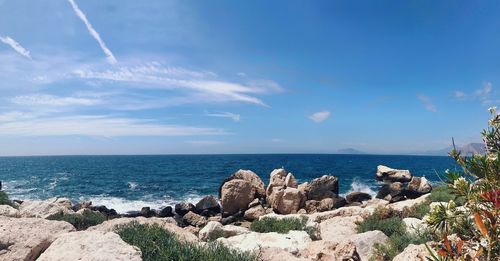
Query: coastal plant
point(4, 200)
point(398, 242)
point(389, 224)
point(443, 193)
point(158, 244)
point(477, 221)
point(416, 211)
point(81, 221)
point(282, 226)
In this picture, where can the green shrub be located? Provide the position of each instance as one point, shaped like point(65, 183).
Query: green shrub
point(398, 242)
point(376, 221)
point(417, 211)
point(4, 200)
point(271, 224)
point(81, 222)
point(445, 194)
point(158, 244)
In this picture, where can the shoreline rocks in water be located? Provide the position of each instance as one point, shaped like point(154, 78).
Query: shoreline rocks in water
point(330, 219)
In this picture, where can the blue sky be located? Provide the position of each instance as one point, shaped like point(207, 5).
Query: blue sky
point(153, 77)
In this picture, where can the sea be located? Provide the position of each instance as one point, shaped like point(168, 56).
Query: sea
point(128, 183)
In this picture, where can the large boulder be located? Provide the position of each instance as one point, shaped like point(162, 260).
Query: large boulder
point(357, 197)
point(413, 253)
point(365, 242)
point(250, 176)
point(277, 180)
point(8, 211)
point(324, 250)
point(44, 209)
point(290, 181)
point(194, 219)
point(286, 201)
point(323, 187)
point(166, 223)
point(292, 242)
point(25, 238)
point(90, 245)
point(401, 205)
point(313, 206)
point(183, 208)
point(387, 174)
point(338, 228)
point(254, 213)
point(392, 192)
point(236, 194)
point(417, 187)
point(207, 206)
point(214, 230)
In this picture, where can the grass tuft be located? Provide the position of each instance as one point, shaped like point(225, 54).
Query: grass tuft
point(282, 226)
point(81, 222)
point(4, 200)
point(445, 194)
point(158, 244)
point(417, 211)
point(380, 221)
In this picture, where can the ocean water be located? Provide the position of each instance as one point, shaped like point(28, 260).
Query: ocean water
point(128, 183)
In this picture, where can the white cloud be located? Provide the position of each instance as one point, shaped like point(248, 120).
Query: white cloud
point(16, 46)
point(106, 126)
point(15, 116)
point(319, 116)
point(242, 74)
point(51, 100)
point(459, 94)
point(487, 88)
point(232, 116)
point(426, 101)
point(111, 58)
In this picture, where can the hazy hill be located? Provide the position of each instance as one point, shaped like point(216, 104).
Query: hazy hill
point(469, 149)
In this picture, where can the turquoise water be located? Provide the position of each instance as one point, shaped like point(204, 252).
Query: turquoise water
point(131, 182)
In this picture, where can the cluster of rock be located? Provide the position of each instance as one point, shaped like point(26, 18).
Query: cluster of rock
point(27, 234)
point(400, 184)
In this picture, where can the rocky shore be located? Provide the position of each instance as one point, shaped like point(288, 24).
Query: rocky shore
point(28, 230)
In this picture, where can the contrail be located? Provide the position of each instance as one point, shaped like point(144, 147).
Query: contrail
point(93, 32)
point(16, 46)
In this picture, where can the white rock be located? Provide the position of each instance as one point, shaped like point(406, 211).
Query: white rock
point(414, 225)
point(413, 253)
point(165, 223)
point(26, 238)
point(392, 175)
point(278, 254)
point(338, 228)
point(290, 181)
point(90, 246)
point(365, 242)
point(400, 205)
point(44, 209)
point(8, 211)
point(328, 250)
point(291, 242)
point(215, 229)
point(254, 212)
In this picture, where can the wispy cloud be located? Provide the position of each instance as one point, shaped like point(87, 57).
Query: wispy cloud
point(232, 116)
point(106, 126)
point(426, 101)
point(319, 116)
point(459, 94)
point(16, 46)
point(51, 100)
point(111, 58)
point(487, 88)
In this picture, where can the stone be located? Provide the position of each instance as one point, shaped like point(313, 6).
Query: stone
point(323, 250)
point(399, 206)
point(208, 205)
point(233, 218)
point(147, 212)
point(342, 212)
point(387, 174)
point(323, 187)
point(357, 197)
point(254, 213)
point(183, 208)
point(290, 181)
point(8, 211)
point(236, 194)
point(110, 213)
point(26, 238)
point(276, 180)
point(90, 245)
point(414, 225)
point(211, 231)
point(166, 212)
point(292, 242)
point(43, 209)
point(286, 201)
point(250, 176)
point(166, 223)
point(217, 218)
point(302, 211)
point(366, 241)
point(278, 254)
point(192, 230)
point(254, 203)
point(417, 187)
point(413, 253)
point(392, 192)
point(194, 219)
point(338, 228)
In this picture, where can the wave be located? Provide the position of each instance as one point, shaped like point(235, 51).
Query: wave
point(358, 186)
point(132, 185)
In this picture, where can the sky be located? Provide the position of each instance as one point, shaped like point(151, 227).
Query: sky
point(197, 77)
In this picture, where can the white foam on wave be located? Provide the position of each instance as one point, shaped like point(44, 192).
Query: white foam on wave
point(358, 186)
point(122, 205)
point(132, 185)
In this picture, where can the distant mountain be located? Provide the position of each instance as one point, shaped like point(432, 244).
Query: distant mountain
point(350, 151)
point(469, 149)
